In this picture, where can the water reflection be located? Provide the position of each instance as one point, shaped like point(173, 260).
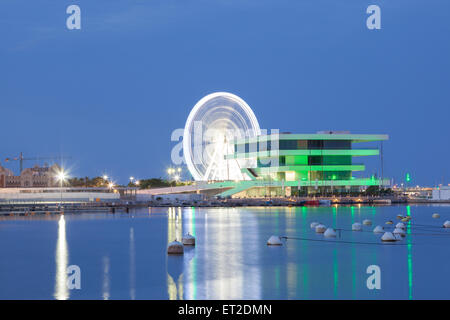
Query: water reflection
point(222, 242)
point(227, 249)
point(190, 263)
point(335, 260)
point(230, 260)
point(175, 277)
point(174, 263)
point(132, 266)
point(410, 279)
point(106, 285)
point(62, 260)
point(174, 226)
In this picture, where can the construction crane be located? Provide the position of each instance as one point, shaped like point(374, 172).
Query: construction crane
point(22, 159)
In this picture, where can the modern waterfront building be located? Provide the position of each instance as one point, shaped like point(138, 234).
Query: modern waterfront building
point(288, 164)
point(303, 164)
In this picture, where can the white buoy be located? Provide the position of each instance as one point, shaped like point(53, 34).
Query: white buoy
point(188, 240)
point(175, 247)
point(356, 226)
point(436, 215)
point(274, 241)
point(447, 224)
point(314, 225)
point(388, 237)
point(399, 231)
point(378, 229)
point(367, 222)
point(330, 233)
point(320, 228)
point(400, 225)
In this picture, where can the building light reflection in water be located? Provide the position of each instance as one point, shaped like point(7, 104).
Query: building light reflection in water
point(105, 285)
point(228, 280)
point(292, 267)
point(62, 260)
point(410, 274)
point(174, 263)
point(229, 276)
point(304, 249)
point(190, 262)
point(132, 266)
point(375, 258)
point(335, 261)
point(352, 209)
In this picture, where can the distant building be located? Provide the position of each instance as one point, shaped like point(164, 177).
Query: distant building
point(65, 195)
point(35, 177)
point(441, 193)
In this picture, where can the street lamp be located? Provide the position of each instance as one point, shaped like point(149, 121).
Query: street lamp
point(61, 177)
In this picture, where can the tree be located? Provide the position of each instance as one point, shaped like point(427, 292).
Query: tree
point(377, 191)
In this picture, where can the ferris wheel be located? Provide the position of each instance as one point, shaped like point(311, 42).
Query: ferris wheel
point(213, 124)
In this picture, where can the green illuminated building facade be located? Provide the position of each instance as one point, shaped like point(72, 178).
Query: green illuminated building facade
point(303, 164)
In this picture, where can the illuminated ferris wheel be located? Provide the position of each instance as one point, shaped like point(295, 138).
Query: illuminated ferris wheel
point(213, 124)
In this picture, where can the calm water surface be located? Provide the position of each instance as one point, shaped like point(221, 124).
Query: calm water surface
point(123, 256)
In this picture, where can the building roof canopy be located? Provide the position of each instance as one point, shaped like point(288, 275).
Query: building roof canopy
point(317, 136)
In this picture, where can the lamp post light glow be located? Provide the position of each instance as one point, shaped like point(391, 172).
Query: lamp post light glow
point(61, 177)
point(174, 175)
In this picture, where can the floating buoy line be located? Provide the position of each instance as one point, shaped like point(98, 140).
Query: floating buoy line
point(427, 225)
point(344, 241)
point(394, 235)
point(433, 232)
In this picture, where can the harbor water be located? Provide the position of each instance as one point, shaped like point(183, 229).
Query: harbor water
point(124, 255)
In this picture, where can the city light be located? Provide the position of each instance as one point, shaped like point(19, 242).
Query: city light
point(174, 173)
point(105, 177)
point(111, 185)
point(61, 176)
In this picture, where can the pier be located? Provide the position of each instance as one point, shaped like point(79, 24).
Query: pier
point(31, 209)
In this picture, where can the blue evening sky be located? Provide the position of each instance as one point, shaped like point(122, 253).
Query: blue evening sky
point(109, 95)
